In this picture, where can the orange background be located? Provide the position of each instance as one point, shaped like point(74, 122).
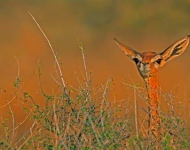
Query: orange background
point(143, 25)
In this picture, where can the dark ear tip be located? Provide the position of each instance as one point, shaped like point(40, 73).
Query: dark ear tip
point(187, 37)
point(116, 40)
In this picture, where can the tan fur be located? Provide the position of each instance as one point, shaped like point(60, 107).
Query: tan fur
point(148, 64)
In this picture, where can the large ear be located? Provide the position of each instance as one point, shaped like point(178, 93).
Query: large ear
point(174, 50)
point(131, 53)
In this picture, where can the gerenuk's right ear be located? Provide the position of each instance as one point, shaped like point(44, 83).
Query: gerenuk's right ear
point(175, 50)
point(130, 52)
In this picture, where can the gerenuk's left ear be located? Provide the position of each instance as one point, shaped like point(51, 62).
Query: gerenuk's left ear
point(174, 50)
point(130, 52)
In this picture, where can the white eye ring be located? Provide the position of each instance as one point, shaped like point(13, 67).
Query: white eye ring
point(139, 57)
point(155, 58)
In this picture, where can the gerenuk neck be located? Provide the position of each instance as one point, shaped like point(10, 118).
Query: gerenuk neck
point(153, 101)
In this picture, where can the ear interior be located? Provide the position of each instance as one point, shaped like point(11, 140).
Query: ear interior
point(175, 50)
point(130, 52)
